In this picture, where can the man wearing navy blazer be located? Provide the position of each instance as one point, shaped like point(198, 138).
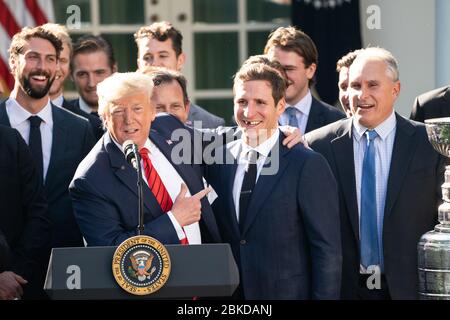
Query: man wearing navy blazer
point(283, 230)
point(65, 138)
point(380, 257)
point(104, 188)
point(24, 226)
point(432, 104)
point(297, 53)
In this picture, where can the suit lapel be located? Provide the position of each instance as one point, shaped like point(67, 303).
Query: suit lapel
point(4, 120)
point(342, 148)
point(59, 143)
point(315, 119)
point(184, 170)
point(266, 183)
point(402, 153)
point(128, 176)
point(229, 173)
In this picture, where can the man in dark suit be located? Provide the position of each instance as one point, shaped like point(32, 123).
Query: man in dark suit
point(92, 61)
point(286, 243)
point(104, 187)
point(297, 53)
point(160, 45)
point(432, 104)
point(24, 225)
point(58, 139)
point(389, 178)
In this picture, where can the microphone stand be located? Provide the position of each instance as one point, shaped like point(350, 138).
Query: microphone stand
point(140, 183)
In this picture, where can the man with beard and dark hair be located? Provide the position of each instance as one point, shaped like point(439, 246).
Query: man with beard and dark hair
point(57, 138)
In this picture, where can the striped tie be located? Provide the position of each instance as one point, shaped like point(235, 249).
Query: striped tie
point(157, 186)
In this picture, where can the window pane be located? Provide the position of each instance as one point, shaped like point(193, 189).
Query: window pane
point(215, 11)
point(119, 11)
point(125, 50)
point(256, 42)
point(216, 59)
point(61, 14)
point(277, 11)
point(220, 107)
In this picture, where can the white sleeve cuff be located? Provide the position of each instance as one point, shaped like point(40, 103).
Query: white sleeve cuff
point(176, 225)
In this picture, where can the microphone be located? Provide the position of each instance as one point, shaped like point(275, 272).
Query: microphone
point(131, 153)
point(134, 158)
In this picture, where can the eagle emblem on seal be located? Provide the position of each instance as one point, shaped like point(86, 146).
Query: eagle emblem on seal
point(141, 265)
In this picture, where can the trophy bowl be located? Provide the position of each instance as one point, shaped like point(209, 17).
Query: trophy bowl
point(438, 131)
point(434, 246)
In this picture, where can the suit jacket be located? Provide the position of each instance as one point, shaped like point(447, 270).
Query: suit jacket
point(196, 113)
point(105, 198)
point(95, 121)
point(4, 252)
point(322, 114)
point(432, 104)
point(412, 198)
point(24, 220)
point(72, 140)
point(290, 245)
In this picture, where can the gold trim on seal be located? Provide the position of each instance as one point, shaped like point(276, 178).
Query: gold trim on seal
point(141, 245)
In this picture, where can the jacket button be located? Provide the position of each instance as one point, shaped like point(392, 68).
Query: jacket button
point(243, 241)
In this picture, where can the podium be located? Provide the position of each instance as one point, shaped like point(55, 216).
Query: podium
point(206, 270)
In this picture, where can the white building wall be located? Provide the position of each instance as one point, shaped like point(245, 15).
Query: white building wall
point(407, 29)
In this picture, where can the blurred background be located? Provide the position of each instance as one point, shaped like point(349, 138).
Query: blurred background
point(220, 34)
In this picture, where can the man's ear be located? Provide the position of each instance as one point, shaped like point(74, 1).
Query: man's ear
point(12, 64)
point(187, 106)
point(281, 105)
point(311, 70)
point(180, 61)
point(114, 68)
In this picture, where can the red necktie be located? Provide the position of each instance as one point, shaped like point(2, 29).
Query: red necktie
point(157, 186)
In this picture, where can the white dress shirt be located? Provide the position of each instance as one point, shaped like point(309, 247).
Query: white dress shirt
point(303, 108)
point(172, 181)
point(58, 101)
point(263, 152)
point(84, 106)
point(18, 117)
point(383, 144)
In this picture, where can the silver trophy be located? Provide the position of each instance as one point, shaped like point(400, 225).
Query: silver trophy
point(434, 246)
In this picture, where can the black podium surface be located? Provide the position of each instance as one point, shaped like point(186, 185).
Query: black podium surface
point(206, 270)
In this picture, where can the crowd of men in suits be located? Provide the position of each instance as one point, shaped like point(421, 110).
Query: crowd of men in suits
point(349, 202)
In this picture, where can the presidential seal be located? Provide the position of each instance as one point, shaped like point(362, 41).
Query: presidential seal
point(141, 265)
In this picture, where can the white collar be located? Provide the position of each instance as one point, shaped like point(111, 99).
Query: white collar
point(18, 114)
point(383, 129)
point(84, 106)
point(58, 100)
point(148, 144)
point(304, 105)
point(263, 148)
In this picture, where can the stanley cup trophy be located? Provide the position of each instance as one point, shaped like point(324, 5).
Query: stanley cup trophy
point(434, 246)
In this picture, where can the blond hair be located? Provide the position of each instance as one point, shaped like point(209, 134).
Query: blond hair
point(120, 85)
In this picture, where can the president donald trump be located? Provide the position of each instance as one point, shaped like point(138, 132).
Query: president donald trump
point(104, 189)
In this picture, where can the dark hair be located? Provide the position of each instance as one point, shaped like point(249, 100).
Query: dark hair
point(21, 38)
point(261, 71)
point(163, 75)
point(162, 31)
point(89, 44)
point(346, 60)
point(292, 39)
point(262, 58)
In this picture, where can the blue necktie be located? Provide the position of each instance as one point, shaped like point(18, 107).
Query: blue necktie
point(292, 113)
point(368, 219)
